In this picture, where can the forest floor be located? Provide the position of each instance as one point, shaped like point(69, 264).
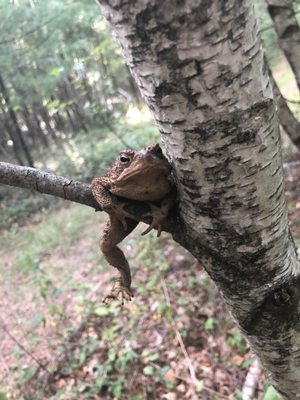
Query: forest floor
point(175, 340)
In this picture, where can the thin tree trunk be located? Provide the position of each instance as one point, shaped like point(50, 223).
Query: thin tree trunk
point(58, 119)
point(14, 119)
point(10, 133)
point(4, 137)
point(200, 68)
point(29, 124)
point(287, 119)
point(47, 120)
point(42, 136)
point(70, 94)
point(288, 31)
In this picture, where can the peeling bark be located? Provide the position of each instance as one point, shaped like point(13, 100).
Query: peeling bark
point(200, 68)
point(288, 31)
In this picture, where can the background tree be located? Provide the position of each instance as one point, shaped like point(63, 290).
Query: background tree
point(272, 29)
point(288, 31)
point(52, 53)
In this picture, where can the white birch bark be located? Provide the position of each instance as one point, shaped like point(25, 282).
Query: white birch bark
point(200, 68)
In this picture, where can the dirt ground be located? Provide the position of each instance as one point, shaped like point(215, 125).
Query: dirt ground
point(174, 341)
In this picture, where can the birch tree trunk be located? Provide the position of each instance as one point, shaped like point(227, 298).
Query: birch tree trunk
point(200, 68)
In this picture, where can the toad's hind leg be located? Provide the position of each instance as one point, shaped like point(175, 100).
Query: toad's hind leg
point(114, 233)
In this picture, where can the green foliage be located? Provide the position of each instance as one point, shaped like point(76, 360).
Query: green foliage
point(199, 386)
point(270, 394)
point(62, 73)
point(54, 39)
point(237, 341)
point(209, 324)
point(238, 395)
point(51, 232)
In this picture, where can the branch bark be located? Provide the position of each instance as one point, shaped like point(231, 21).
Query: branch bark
point(44, 182)
point(68, 189)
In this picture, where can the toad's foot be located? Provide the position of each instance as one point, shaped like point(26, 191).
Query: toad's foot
point(158, 215)
point(119, 292)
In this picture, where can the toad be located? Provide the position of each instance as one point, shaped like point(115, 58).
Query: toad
point(145, 176)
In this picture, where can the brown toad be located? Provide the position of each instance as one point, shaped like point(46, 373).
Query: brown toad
point(143, 175)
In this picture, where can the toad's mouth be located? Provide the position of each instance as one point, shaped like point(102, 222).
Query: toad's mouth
point(143, 172)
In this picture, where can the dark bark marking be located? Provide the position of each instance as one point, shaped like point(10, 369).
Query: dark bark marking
point(277, 170)
point(199, 15)
point(276, 192)
point(192, 195)
point(164, 89)
point(290, 31)
point(277, 312)
point(247, 136)
point(266, 165)
point(274, 11)
point(219, 172)
point(142, 20)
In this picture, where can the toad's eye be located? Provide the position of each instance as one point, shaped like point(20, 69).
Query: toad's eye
point(124, 159)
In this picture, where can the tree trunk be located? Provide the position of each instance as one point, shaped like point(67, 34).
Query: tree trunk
point(17, 131)
point(47, 120)
point(42, 136)
point(77, 111)
point(31, 128)
point(57, 118)
point(10, 133)
point(288, 31)
point(287, 119)
point(200, 68)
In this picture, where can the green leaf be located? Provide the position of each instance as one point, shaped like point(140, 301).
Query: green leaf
point(199, 386)
point(117, 391)
point(209, 324)
point(148, 370)
point(2, 396)
point(37, 320)
point(271, 394)
point(102, 311)
point(247, 363)
point(238, 394)
point(55, 72)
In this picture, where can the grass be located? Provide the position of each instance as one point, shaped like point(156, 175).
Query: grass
point(63, 227)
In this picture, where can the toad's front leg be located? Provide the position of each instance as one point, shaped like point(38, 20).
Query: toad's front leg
point(114, 233)
point(110, 203)
point(160, 212)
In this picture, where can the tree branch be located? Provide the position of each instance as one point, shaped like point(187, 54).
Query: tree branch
point(67, 189)
point(44, 182)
